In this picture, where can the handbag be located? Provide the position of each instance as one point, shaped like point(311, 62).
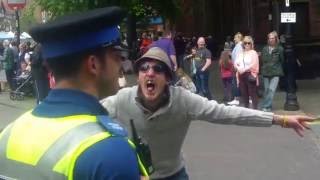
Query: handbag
point(250, 78)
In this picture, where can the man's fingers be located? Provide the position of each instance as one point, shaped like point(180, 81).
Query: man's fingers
point(144, 178)
point(299, 128)
point(299, 131)
point(305, 125)
point(306, 118)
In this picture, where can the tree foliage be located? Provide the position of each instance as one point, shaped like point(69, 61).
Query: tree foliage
point(27, 18)
point(169, 9)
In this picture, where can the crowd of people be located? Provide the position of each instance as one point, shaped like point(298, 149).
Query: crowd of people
point(239, 63)
point(15, 61)
point(248, 64)
point(19, 62)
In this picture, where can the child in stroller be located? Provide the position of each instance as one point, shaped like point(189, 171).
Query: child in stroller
point(22, 82)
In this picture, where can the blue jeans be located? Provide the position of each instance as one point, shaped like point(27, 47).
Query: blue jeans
point(194, 79)
point(227, 84)
point(235, 88)
point(270, 87)
point(180, 62)
point(180, 175)
point(202, 84)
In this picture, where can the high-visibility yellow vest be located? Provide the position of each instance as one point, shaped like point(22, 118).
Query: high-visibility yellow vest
point(47, 148)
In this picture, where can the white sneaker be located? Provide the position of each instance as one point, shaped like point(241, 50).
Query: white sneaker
point(234, 102)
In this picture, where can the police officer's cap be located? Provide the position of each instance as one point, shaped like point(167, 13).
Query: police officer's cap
point(79, 32)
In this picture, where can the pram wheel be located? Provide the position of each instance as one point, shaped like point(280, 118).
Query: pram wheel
point(17, 96)
point(13, 96)
point(20, 97)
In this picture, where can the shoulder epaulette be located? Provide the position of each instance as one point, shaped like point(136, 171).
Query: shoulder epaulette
point(111, 126)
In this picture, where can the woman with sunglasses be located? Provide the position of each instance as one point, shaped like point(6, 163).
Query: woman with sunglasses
point(247, 67)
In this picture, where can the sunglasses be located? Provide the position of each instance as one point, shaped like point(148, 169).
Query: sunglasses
point(245, 43)
point(158, 68)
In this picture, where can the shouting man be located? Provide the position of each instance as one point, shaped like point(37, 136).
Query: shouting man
point(162, 114)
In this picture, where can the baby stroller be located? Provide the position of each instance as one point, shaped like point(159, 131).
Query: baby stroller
point(24, 84)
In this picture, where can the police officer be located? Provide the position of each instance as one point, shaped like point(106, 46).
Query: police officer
point(39, 74)
point(69, 135)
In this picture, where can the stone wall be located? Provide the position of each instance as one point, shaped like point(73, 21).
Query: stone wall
point(314, 14)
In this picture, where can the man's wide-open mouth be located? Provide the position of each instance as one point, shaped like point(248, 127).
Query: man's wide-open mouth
point(150, 85)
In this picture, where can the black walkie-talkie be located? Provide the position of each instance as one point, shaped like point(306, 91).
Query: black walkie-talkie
point(143, 149)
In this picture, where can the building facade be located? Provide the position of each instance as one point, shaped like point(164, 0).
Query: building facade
point(257, 18)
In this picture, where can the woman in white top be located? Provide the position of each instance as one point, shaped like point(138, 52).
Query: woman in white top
point(247, 67)
point(238, 37)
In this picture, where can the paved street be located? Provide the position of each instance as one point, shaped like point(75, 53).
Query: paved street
point(244, 153)
point(10, 110)
point(232, 152)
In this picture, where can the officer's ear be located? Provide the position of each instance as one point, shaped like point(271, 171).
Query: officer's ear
point(92, 64)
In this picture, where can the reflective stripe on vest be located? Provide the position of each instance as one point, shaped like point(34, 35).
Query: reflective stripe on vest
point(59, 142)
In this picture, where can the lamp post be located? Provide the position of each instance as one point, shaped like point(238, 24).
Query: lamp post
point(291, 103)
point(132, 35)
point(17, 26)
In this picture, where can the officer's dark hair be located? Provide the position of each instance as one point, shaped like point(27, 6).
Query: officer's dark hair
point(68, 66)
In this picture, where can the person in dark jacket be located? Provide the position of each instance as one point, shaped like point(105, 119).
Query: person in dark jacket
point(8, 63)
point(22, 53)
point(39, 74)
point(180, 46)
point(272, 57)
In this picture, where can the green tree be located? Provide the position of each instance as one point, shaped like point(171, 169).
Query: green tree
point(27, 18)
point(168, 9)
point(138, 10)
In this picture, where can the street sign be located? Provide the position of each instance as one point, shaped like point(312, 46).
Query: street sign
point(288, 17)
point(287, 3)
point(16, 4)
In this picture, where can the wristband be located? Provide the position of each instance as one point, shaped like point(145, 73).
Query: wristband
point(284, 121)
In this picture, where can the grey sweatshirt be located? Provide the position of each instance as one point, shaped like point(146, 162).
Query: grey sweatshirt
point(166, 129)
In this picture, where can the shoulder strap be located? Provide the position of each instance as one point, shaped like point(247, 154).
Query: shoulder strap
point(244, 65)
point(111, 126)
